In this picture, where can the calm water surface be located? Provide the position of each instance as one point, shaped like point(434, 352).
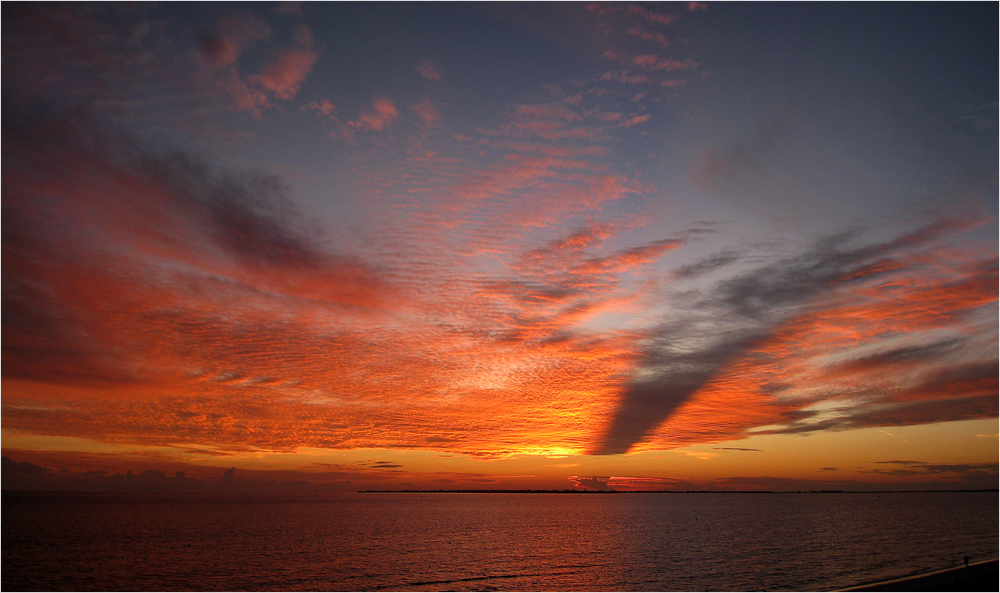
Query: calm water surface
point(633, 542)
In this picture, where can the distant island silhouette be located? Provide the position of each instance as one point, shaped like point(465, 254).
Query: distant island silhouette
point(25, 476)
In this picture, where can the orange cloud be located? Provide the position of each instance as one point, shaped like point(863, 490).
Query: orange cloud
point(204, 314)
point(150, 300)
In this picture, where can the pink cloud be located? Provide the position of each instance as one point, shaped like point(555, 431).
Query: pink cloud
point(285, 74)
point(379, 116)
point(245, 97)
point(218, 51)
point(625, 77)
point(303, 36)
point(653, 62)
point(234, 33)
point(633, 10)
point(532, 189)
point(639, 119)
point(554, 111)
point(560, 151)
point(288, 9)
point(629, 258)
point(429, 70)
point(651, 17)
point(696, 6)
point(324, 107)
point(501, 181)
point(282, 76)
point(548, 121)
point(428, 111)
point(646, 36)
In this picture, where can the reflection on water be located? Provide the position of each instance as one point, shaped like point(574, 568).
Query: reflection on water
point(482, 542)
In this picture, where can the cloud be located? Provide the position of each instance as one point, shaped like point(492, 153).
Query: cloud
point(289, 8)
point(657, 38)
point(429, 70)
point(250, 217)
point(131, 277)
point(108, 57)
point(428, 111)
point(553, 122)
point(303, 36)
point(596, 482)
point(625, 77)
point(548, 162)
point(534, 191)
point(652, 62)
point(175, 220)
point(634, 121)
point(649, 16)
point(638, 53)
point(380, 464)
point(633, 10)
point(218, 51)
point(696, 6)
point(234, 33)
point(707, 265)
point(627, 259)
point(378, 117)
point(922, 468)
point(745, 159)
point(899, 356)
point(281, 77)
point(284, 75)
point(748, 326)
point(16, 469)
point(324, 107)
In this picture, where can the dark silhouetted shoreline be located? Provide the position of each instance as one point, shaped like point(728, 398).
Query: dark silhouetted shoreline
point(980, 576)
point(611, 491)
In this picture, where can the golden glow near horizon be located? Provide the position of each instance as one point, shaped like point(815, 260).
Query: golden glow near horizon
point(532, 259)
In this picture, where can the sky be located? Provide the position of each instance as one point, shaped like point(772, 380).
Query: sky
point(624, 245)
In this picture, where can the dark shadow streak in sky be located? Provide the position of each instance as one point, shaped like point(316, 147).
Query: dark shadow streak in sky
point(686, 352)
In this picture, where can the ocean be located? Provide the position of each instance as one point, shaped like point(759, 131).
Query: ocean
point(488, 541)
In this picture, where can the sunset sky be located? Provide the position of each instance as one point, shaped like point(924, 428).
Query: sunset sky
point(676, 245)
